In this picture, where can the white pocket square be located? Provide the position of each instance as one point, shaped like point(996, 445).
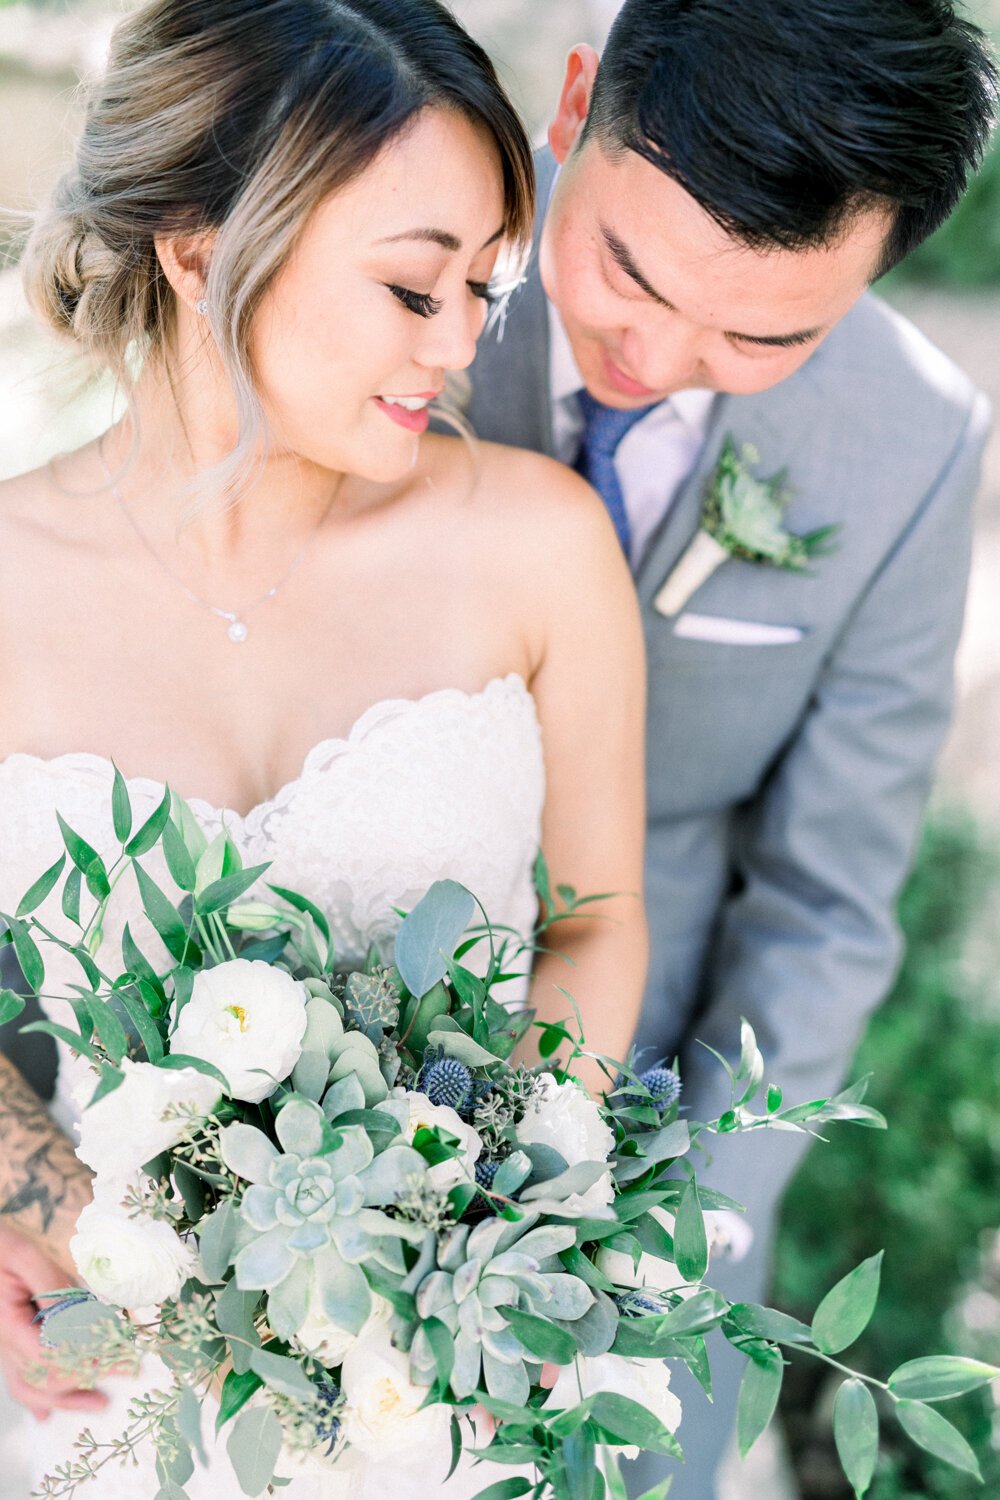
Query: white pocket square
point(723, 632)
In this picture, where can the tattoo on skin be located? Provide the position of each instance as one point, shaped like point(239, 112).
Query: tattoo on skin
point(42, 1182)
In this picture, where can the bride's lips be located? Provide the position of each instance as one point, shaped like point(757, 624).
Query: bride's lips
point(413, 421)
point(622, 383)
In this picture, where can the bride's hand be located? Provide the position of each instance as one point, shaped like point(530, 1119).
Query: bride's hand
point(486, 1420)
point(27, 1272)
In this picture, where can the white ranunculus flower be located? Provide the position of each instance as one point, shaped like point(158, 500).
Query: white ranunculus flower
point(328, 1341)
point(729, 1235)
point(383, 1417)
point(563, 1116)
point(644, 1381)
point(248, 1020)
point(427, 1116)
point(138, 1262)
point(126, 1128)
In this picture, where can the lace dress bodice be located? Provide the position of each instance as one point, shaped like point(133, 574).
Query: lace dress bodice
point(448, 785)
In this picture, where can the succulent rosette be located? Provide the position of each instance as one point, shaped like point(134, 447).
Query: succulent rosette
point(335, 1197)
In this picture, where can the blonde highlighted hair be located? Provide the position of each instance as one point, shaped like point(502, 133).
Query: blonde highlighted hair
point(239, 117)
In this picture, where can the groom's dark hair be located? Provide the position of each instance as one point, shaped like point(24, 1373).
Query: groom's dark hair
point(783, 118)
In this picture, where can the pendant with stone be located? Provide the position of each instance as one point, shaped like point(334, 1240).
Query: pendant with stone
point(238, 631)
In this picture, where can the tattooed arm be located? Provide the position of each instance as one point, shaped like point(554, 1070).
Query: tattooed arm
point(43, 1185)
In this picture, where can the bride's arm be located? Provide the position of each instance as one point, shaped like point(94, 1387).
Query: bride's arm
point(43, 1184)
point(590, 688)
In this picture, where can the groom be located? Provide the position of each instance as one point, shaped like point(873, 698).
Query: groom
point(723, 188)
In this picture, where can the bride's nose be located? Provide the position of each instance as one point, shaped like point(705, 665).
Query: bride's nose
point(451, 337)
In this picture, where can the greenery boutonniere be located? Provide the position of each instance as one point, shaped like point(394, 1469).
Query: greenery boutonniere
point(741, 516)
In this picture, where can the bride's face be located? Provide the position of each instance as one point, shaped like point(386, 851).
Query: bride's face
point(385, 292)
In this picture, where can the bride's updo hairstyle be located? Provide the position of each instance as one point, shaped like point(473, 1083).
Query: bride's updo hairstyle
point(241, 117)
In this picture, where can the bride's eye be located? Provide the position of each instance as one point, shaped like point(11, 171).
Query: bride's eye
point(421, 303)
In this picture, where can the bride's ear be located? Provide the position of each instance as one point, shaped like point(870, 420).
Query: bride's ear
point(185, 259)
point(574, 101)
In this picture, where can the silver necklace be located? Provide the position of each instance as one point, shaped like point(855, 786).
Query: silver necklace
point(235, 619)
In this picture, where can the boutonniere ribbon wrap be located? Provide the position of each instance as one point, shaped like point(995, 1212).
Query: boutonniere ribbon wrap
point(741, 516)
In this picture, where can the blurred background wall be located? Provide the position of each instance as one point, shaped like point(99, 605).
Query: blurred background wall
point(928, 1191)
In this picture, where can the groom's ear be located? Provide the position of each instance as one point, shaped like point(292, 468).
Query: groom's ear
point(574, 101)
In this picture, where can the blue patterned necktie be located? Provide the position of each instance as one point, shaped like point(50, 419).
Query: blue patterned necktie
point(604, 429)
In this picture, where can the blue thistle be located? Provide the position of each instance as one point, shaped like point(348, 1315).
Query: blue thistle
point(446, 1081)
point(328, 1404)
point(486, 1171)
point(664, 1087)
point(639, 1304)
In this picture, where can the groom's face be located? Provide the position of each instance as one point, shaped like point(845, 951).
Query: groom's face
point(657, 298)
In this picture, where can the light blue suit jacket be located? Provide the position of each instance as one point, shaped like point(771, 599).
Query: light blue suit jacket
point(787, 782)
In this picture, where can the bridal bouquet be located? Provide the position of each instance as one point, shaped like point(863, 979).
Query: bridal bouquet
point(331, 1198)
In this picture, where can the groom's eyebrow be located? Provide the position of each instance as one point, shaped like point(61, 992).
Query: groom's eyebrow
point(623, 258)
point(442, 237)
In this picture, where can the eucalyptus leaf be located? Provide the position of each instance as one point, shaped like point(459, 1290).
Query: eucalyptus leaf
point(217, 1239)
point(767, 1323)
point(234, 1315)
point(855, 1431)
point(189, 1409)
point(460, 1045)
point(254, 1448)
point(430, 934)
point(282, 1374)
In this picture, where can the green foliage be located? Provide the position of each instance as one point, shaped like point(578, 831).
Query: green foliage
point(925, 1190)
point(965, 252)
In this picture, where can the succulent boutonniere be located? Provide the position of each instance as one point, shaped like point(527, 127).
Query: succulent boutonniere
point(741, 516)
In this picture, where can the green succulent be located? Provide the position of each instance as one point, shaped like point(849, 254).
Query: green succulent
point(308, 1219)
point(330, 1053)
point(499, 1267)
point(745, 514)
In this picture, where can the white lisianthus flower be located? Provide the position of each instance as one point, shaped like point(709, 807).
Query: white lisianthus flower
point(644, 1381)
point(728, 1234)
point(563, 1116)
point(125, 1129)
point(383, 1417)
point(134, 1263)
point(330, 1343)
point(427, 1116)
point(248, 1020)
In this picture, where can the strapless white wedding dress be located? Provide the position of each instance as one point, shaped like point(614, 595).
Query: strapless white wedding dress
point(450, 785)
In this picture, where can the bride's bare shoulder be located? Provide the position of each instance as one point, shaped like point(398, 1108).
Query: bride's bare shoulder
point(532, 501)
point(34, 508)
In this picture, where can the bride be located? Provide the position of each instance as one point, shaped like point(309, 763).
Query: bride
point(376, 655)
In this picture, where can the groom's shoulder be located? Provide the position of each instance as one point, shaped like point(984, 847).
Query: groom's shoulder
point(877, 372)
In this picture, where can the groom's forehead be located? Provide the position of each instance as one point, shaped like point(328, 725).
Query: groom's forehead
point(654, 231)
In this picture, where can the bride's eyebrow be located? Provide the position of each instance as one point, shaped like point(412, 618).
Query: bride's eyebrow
point(442, 237)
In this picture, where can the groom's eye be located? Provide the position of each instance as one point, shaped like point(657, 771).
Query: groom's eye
point(484, 291)
point(421, 303)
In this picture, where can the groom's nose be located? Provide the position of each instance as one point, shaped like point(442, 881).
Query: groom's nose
point(667, 357)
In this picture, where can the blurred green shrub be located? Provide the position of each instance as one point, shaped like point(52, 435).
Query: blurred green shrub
point(926, 1191)
point(965, 252)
